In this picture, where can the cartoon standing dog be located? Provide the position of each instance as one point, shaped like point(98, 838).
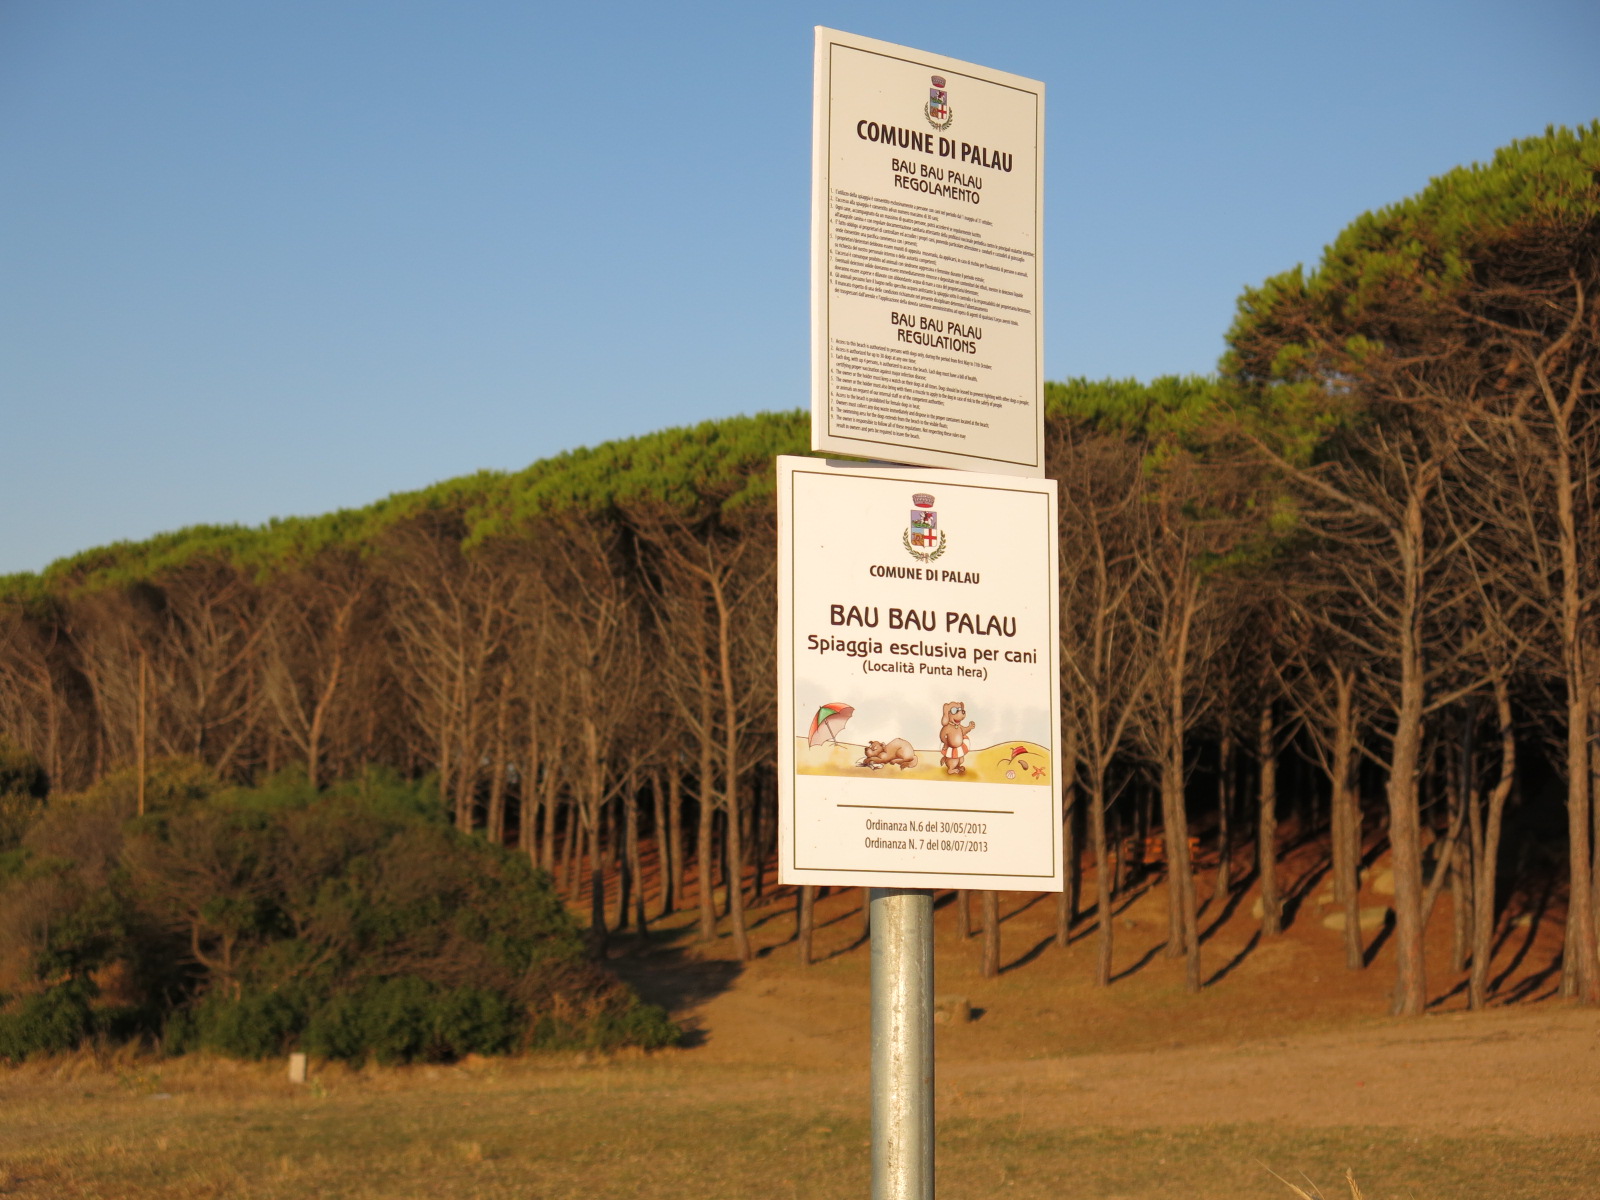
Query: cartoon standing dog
point(953, 734)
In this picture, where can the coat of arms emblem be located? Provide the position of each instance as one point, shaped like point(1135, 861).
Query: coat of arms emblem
point(923, 539)
point(938, 106)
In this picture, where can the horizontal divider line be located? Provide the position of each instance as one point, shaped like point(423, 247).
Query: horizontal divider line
point(1007, 812)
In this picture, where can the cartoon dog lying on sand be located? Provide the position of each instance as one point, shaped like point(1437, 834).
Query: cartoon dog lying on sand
point(882, 754)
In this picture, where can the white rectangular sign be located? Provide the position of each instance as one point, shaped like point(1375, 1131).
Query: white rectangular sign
point(926, 228)
point(918, 659)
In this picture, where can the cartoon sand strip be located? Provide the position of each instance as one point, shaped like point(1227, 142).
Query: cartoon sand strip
point(1000, 763)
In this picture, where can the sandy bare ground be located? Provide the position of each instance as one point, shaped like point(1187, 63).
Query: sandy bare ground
point(1283, 1064)
point(1535, 1073)
point(1287, 1036)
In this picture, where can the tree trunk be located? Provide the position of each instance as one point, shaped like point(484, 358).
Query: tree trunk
point(672, 897)
point(144, 691)
point(741, 935)
point(1460, 910)
point(964, 913)
point(1345, 799)
point(991, 935)
point(1460, 788)
point(703, 859)
point(1267, 824)
point(457, 774)
point(1180, 866)
point(1119, 858)
point(617, 847)
point(1338, 843)
point(497, 768)
point(731, 771)
point(1349, 799)
point(1486, 856)
point(805, 921)
point(548, 810)
point(1576, 656)
point(1225, 766)
point(598, 943)
point(1594, 812)
point(634, 862)
point(658, 803)
point(1071, 867)
point(757, 850)
point(1102, 875)
point(1405, 840)
point(1066, 898)
point(1141, 835)
point(724, 875)
point(1176, 943)
point(571, 852)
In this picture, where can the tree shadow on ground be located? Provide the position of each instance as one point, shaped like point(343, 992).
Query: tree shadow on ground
point(1370, 954)
point(1085, 923)
point(776, 910)
point(1295, 894)
point(1082, 925)
point(1527, 986)
point(1228, 967)
point(1141, 963)
point(1535, 918)
point(1225, 914)
point(1017, 912)
point(672, 978)
point(1029, 956)
point(847, 915)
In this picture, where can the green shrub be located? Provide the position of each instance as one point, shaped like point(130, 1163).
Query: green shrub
point(407, 1019)
point(643, 1025)
point(21, 774)
point(48, 1022)
point(352, 921)
point(254, 1025)
point(23, 787)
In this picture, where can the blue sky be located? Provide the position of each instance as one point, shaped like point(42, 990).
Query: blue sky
point(267, 259)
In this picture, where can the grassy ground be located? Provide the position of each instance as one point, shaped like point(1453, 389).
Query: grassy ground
point(663, 1128)
point(1285, 1064)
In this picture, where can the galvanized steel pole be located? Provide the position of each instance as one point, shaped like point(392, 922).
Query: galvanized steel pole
point(902, 1044)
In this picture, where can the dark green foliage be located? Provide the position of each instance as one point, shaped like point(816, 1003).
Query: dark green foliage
point(406, 1019)
point(1173, 407)
point(21, 774)
point(48, 1022)
point(255, 1025)
point(643, 1025)
point(352, 922)
point(1435, 274)
point(23, 787)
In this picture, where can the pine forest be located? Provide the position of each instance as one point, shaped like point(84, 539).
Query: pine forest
point(390, 781)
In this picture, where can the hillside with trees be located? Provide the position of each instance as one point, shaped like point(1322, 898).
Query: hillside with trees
point(1340, 594)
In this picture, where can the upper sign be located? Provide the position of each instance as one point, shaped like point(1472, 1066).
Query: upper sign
point(919, 706)
point(926, 226)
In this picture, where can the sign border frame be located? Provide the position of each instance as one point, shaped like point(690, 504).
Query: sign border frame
point(789, 872)
point(823, 439)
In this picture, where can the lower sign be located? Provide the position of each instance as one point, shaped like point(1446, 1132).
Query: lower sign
point(919, 705)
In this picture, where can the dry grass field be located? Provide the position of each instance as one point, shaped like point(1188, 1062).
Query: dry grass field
point(1283, 1066)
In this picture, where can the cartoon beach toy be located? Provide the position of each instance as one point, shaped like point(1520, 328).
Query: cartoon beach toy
point(829, 722)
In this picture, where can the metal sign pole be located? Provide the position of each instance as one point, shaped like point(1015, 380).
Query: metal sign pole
point(902, 1043)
